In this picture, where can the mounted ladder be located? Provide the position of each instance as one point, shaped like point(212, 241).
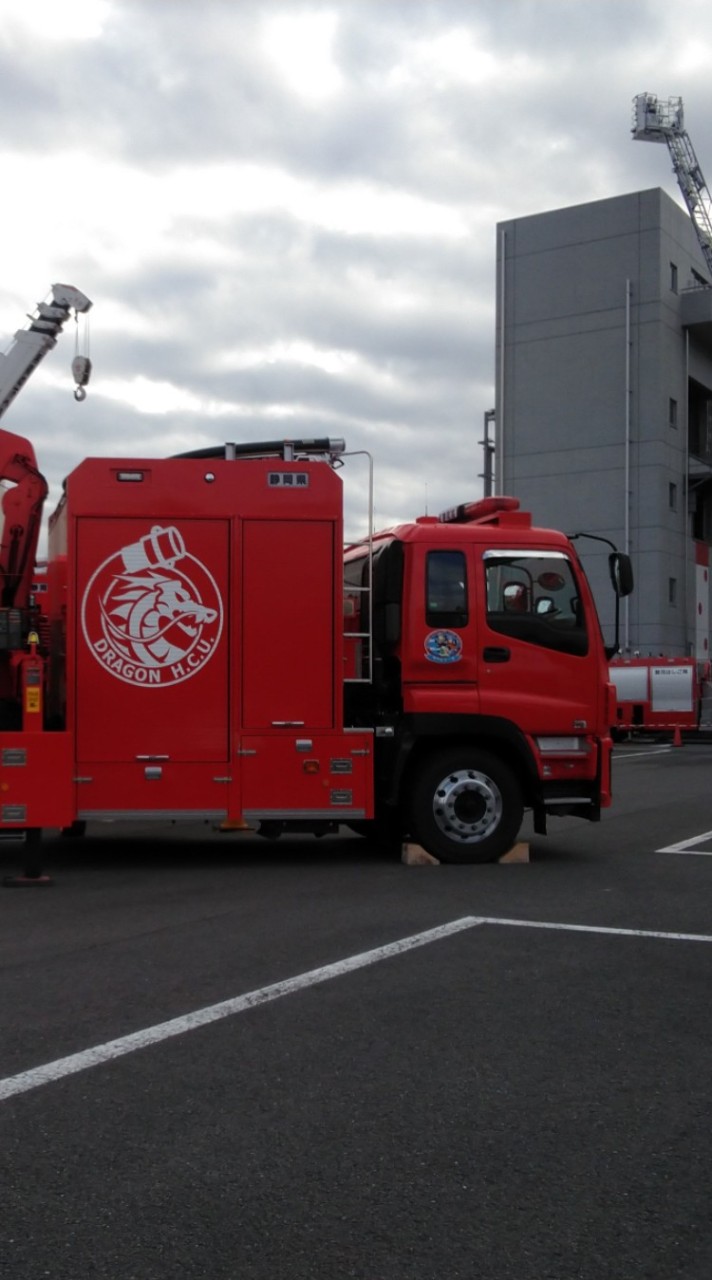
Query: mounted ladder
point(655, 120)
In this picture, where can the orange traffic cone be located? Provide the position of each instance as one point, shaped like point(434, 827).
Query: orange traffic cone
point(677, 737)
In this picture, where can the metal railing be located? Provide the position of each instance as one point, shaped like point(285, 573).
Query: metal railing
point(363, 637)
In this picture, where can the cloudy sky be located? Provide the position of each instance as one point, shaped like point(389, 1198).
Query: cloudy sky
point(285, 213)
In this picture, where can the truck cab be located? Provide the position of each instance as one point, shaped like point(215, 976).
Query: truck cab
point(489, 685)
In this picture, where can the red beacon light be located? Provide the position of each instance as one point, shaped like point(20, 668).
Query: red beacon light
point(485, 509)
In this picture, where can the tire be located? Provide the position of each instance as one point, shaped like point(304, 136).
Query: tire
point(466, 806)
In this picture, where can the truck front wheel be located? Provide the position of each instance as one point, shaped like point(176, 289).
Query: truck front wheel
point(466, 806)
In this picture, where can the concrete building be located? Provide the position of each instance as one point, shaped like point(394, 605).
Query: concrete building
point(603, 404)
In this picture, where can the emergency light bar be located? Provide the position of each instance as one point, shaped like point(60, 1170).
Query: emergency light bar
point(482, 510)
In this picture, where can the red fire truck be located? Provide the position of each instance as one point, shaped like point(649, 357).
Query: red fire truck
point(205, 649)
point(657, 694)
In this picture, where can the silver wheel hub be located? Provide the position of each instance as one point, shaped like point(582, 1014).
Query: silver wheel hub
point(467, 806)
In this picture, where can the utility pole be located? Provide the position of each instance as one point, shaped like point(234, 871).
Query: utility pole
point(488, 445)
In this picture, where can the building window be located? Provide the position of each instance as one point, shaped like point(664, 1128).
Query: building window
point(672, 496)
point(672, 413)
point(699, 281)
point(701, 511)
point(673, 277)
point(672, 591)
point(699, 409)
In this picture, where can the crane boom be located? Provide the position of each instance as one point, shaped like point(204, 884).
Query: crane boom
point(30, 346)
point(655, 120)
point(23, 488)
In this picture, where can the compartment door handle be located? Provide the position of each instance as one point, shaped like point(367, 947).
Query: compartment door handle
point(495, 654)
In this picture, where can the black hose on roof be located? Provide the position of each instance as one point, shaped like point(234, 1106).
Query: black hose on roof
point(260, 448)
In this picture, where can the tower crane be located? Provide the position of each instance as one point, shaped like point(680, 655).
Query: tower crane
point(658, 120)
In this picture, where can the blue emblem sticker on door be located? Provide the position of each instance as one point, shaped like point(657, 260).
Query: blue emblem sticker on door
point(443, 646)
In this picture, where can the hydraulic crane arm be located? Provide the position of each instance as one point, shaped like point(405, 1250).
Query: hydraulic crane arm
point(657, 121)
point(30, 346)
point(21, 519)
point(22, 487)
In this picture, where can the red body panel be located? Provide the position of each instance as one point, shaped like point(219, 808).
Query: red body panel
point(152, 787)
point(326, 774)
point(197, 659)
point(36, 786)
point(191, 601)
point(151, 655)
point(288, 624)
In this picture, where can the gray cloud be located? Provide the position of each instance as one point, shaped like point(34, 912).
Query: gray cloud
point(309, 262)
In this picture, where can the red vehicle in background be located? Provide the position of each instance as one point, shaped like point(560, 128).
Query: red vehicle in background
point(657, 695)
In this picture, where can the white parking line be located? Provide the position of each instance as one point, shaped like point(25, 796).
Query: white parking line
point(597, 928)
point(686, 846)
point(213, 1013)
point(94, 1057)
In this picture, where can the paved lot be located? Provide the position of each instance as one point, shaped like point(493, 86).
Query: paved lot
point(305, 1060)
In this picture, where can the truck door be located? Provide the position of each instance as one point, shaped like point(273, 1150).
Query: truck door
point(440, 645)
point(536, 668)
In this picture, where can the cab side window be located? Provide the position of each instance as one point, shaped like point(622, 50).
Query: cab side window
point(533, 596)
point(446, 603)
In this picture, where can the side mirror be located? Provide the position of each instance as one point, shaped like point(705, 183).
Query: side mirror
point(621, 570)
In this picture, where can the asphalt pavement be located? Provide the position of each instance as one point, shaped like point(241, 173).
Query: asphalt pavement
point(232, 1058)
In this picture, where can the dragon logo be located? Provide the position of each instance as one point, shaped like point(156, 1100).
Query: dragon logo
point(151, 613)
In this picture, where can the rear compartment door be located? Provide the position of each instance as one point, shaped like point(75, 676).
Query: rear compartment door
point(151, 668)
point(288, 641)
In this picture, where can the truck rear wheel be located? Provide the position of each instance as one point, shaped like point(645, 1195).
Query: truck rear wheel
point(466, 806)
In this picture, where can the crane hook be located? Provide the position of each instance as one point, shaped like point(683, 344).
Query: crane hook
point(81, 372)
